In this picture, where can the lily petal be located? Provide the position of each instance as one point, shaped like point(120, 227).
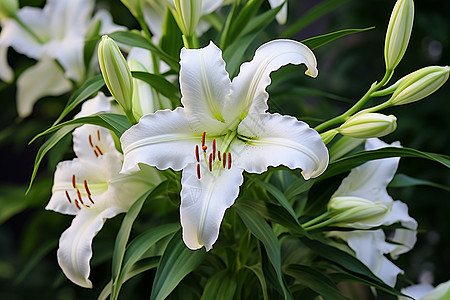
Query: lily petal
point(163, 139)
point(249, 87)
point(371, 178)
point(208, 6)
point(204, 201)
point(282, 14)
point(43, 79)
point(6, 73)
point(369, 249)
point(279, 140)
point(75, 244)
point(403, 239)
point(205, 86)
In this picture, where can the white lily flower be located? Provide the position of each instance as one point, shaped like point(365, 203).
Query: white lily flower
point(222, 130)
point(282, 14)
point(58, 33)
point(427, 292)
point(369, 181)
point(91, 188)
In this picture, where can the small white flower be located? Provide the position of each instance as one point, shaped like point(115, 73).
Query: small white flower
point(91, 188)
point(427, 292)
point(222, 130)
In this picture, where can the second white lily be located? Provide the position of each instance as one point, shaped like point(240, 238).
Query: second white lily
point(222, 130)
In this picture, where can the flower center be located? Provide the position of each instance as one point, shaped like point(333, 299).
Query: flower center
point(79, 199)
point(223, 159)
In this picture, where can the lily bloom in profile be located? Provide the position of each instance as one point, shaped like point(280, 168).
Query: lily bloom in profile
point(222, 130)
point(91, 188)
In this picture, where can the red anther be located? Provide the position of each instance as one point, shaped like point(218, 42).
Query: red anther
point(76, 203)
point(90, 199)
point(224, 159)
point(229, 160)
point(218, 155)
point(90, 141)
point(86, 187)
point(98, 149)
point(79, 196)
point(204, 148)
point(214, 150)
point(210, 162)
point(98, 134)
point(198, 171)
point(68, 197)
point(203, 138)
point(73, 181)
point(95, 152)
point(197, 156)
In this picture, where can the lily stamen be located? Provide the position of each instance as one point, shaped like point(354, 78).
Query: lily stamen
point(100, 151)
point(224, 160)
point(203, 138)
point(68, 197)
point(229, 160)
point(90, 141)
point(210, 162)
point(197, 156)
point(98, 135)
point(198, 171)
point(214, 149)
point(218, 155)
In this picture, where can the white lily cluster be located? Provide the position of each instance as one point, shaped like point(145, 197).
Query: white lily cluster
point(54, 36)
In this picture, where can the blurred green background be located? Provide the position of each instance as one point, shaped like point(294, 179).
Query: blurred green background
point(347, 67)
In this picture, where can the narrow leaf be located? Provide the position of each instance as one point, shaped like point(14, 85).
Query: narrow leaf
point(221, 285)
point(263, 232)
point(87, 89)
point(257, 270)
point(160, 84)
point(176, 262)
point(136, 40)
point(315, 280)
point(319, 41)
point(402, 180)
point(346, 164)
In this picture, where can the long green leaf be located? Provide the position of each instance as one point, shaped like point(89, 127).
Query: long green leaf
point(319, 41)
point(137, 269)
point(160, 84)
point(315, 280)
point(88, 88)
point(402, 180)
point(277, 194)
point(137, 249)
point(136, 40)
point(176, 262)
point(312, 15)
point(114, 122)
point(257, 270)
point(346, 164)
point(221, 285)
point(263, 232)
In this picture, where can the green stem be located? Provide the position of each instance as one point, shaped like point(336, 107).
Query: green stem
point(144, 27)
point(343, 117)
point(190, 42)
point(316, 219)
point(28, 29)
point(322, 224)
point(130, 117)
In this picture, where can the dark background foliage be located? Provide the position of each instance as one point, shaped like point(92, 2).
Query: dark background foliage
point(347, 67)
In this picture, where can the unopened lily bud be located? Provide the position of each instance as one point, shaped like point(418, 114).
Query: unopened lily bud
point(187, 14)
point(419, 84)
point(357, 212)
point(116, 73)
point(368, 125)
point(8, 9)
point(398, 32)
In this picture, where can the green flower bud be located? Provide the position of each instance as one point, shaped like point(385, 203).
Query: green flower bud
point(398, 32)
point(368, 125)
point(419, 84)
point(8, 8)
point(187, 14)
point(116, 73)
point(357, 212)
